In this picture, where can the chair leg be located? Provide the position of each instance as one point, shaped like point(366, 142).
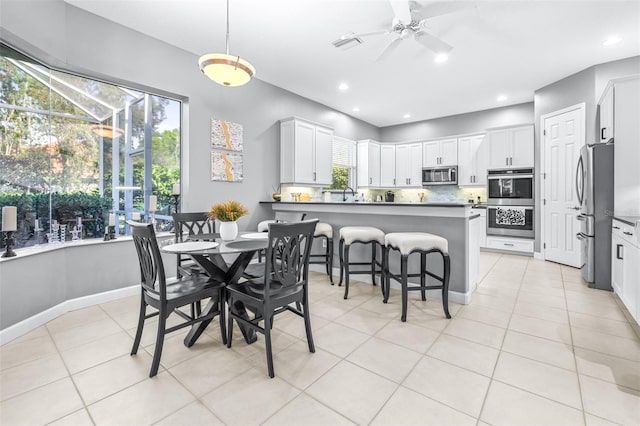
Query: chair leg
point(267, 343)
point(373, 263)
point(387, 278)
point(346, 271)
point(405, 292)
point(157, 352)
point(341, 254)
point(143, 312)
point(330, 259)
point(445, 284)
point(423, 280)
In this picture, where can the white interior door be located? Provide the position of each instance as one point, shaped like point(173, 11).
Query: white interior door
point(563, 138)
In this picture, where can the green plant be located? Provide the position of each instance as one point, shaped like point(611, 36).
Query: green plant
point(229, 211)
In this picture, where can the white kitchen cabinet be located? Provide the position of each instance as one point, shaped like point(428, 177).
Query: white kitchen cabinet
point(510, 147)
point(305, 152)
point(472, 161)
point(605, 115)
point(387, 166)
point(440, 153)
point(482, 234)
point(368, 164)
point(627, 148)
point(625, 266)
point(514, 244)
point(409, 165)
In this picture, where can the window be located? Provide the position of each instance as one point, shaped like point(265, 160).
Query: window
point(73, 150)
point(343, 163)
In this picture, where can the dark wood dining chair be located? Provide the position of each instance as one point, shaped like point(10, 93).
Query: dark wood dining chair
point(190, 225)
point(167, 296)
point(285, 282)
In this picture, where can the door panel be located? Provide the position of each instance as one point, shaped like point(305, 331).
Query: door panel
point(564, 136)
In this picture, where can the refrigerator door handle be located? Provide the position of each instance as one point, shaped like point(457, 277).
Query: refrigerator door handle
point(580, 174)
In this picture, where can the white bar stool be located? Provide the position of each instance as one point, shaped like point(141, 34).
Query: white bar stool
point(363, 235)
point(324, 230)
point(408, 243)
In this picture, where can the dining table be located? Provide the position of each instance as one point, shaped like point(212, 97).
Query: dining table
point(209, 251)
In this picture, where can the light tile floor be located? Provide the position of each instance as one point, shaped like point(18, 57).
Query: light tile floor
point(535, 346)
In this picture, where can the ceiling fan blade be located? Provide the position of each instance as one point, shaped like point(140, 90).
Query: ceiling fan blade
point(401, 11)
point(432, 42)
point(372, 33)
point(420, 11)
point(389, 48)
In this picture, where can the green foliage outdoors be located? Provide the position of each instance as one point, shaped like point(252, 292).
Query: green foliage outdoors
point(340, 177)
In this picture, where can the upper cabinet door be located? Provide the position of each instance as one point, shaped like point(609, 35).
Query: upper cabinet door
point(449, 152)
point(368, 164)
point(402, 165)
point(323, 173)
point(415, 164)
point(481, 156)
point(303, 152)
point(466, 166)
point(521, 146)
point(498, 148)
point(374, 165)
point(431, 154)
point(387, 166)
point(606, 116)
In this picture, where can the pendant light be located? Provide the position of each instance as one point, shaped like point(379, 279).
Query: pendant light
point(225, 69)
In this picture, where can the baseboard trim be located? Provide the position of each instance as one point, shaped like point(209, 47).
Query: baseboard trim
point(538, 255)
point(23, 327)
point(454, 296)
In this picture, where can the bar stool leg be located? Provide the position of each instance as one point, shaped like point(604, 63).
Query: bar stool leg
point(387, 280)
point(346, 271)
point(330, 260)
point(373, 263)
point(423, 268)
point(341, 254)
point(405, 292)
point(445, 284)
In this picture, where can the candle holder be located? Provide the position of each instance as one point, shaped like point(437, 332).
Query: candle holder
point(110, 233)
point(176, 197)
point(9, 241)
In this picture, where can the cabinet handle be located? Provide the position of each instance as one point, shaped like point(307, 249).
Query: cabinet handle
point(506, 160)
point(314, 175)
point(394, 181)
point(616, 227)
point(370, 181)
point(508, 244)
point(618, 255)
point(602, 133)
point(627, 233)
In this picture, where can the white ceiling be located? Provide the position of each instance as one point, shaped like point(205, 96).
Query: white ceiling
point(500, 47)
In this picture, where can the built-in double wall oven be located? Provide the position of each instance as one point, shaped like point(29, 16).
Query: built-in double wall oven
point(510, 202)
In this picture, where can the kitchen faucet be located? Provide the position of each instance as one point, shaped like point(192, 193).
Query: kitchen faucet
point(344, 193)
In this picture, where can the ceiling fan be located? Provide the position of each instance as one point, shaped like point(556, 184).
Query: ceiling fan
point(410, 20)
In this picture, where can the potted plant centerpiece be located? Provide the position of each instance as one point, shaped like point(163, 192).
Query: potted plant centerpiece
point(228, 213)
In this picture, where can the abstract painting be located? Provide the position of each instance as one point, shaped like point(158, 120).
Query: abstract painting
point(226, 166)
point(226, 135)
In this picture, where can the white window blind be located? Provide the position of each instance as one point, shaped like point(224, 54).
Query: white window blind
point(344, 152)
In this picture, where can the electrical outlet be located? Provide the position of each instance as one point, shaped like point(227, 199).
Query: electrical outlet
point(324, 243)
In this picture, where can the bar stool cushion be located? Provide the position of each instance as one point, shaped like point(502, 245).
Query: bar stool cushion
point(407, 242)
point(361, 233)
point(323, 230)
point(264, 225)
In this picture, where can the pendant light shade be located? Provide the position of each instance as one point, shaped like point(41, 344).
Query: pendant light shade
point(226, 69)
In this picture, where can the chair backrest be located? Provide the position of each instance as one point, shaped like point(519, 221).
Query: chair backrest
point(192, 224)
point(287, 257)
point(151, 266)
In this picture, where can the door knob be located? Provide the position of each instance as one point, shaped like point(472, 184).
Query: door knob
point(574, 208)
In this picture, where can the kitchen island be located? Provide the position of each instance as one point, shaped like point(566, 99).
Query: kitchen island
point(453, 221)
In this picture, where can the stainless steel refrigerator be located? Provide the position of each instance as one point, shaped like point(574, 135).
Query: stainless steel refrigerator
point(594, 187)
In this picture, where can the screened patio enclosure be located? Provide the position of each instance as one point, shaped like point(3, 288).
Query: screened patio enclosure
point(61, 133)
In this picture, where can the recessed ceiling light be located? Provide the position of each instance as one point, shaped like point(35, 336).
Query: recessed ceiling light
point(441, 57)
point(343, 86)
point(407, 116)
point(611, 41)
point(355, 109)
point(502, 98)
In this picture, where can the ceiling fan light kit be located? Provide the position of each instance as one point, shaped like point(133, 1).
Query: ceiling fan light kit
point(225, 69)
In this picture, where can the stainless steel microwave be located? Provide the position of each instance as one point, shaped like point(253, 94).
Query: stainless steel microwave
point(440, 176)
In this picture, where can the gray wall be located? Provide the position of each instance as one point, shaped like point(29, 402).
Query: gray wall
point(72, 39)
point(459, 124)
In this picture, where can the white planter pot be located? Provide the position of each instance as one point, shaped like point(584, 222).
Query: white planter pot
point(228, 230)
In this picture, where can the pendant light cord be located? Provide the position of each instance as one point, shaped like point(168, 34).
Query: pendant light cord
point(227, 27)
